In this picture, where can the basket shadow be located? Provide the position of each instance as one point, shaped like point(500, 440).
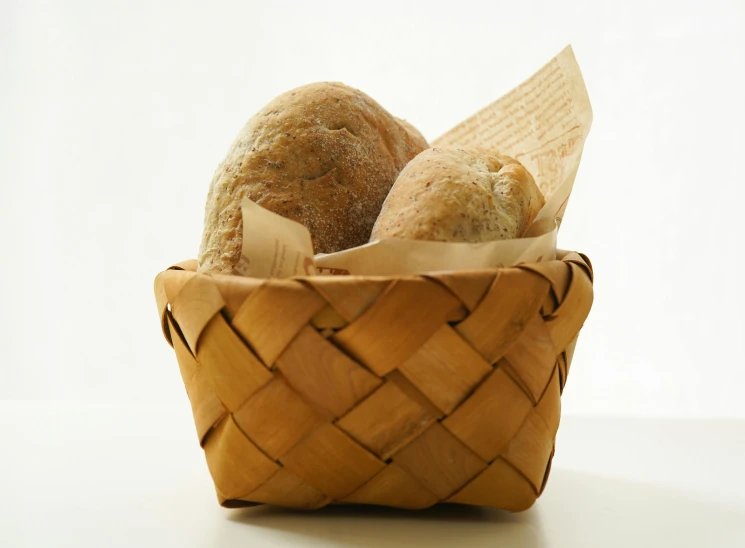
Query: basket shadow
point(578, 509)
point(374, 526)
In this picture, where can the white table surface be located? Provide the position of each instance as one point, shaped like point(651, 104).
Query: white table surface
point(120, 475)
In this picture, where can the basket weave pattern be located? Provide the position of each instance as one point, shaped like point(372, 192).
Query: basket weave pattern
point(402, 392)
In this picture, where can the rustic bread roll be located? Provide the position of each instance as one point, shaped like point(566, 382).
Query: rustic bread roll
point(324, 155)
point(455, 194)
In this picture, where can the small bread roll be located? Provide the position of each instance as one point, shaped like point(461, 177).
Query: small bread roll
point(324, 155)
point(455, 194)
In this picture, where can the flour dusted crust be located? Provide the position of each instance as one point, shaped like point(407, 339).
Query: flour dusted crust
point(456, 194)
point(324, 155)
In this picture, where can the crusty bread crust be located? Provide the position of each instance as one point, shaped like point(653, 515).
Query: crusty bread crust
point(324, 155)
point(456, 194)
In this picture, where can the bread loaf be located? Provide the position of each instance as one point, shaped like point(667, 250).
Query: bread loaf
point(324, 155)
point(456, 194)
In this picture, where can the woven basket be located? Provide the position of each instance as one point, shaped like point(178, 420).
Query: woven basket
point(395, 391)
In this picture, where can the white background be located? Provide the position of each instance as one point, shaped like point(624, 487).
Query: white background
point(114, 116)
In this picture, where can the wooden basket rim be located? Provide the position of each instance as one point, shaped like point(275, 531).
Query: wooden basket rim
point(190, 265)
